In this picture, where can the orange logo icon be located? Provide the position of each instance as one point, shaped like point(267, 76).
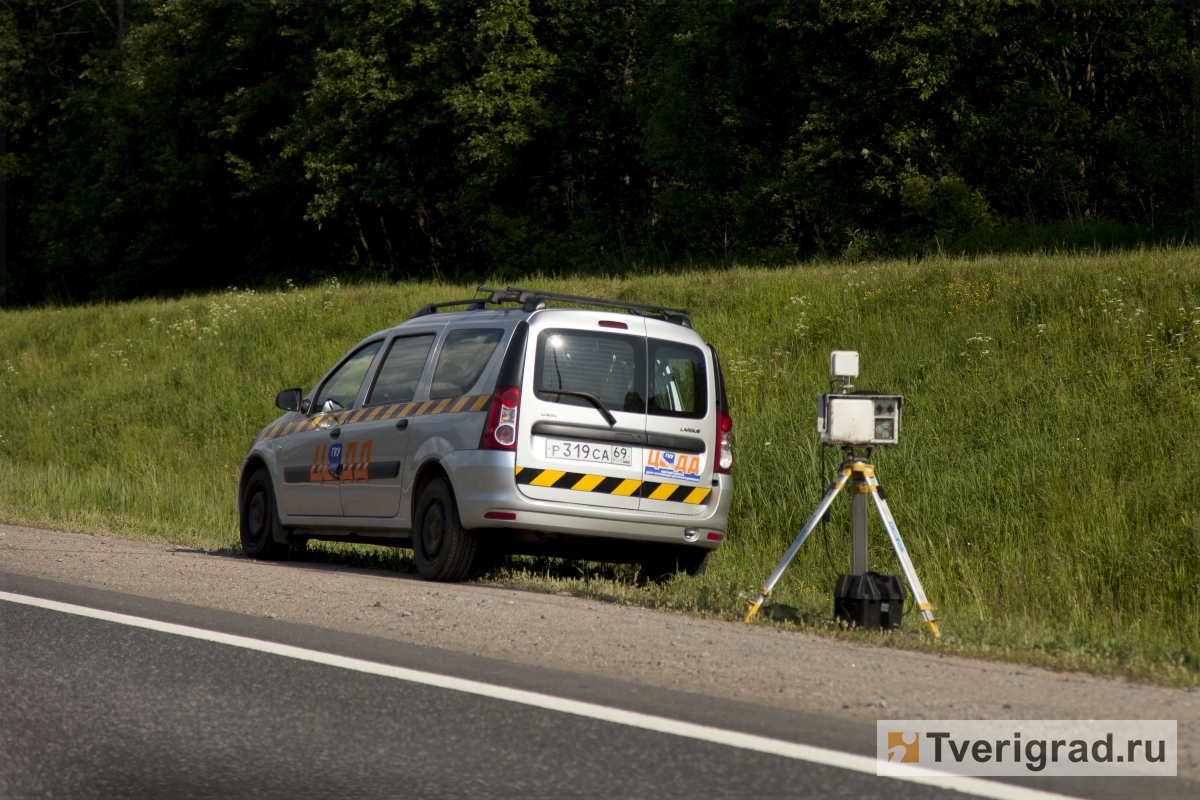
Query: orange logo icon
point(909, 751)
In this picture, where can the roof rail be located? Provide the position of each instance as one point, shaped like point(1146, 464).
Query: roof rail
point(496, 297)
point(528, 297)
point(475, 304)
point(532, 300)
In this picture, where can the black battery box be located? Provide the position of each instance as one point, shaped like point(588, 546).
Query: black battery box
point(870, 600)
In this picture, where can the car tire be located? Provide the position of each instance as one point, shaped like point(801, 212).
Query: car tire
point(443, 550)
point(660, 565)
point(259, 518)
point(695, 563)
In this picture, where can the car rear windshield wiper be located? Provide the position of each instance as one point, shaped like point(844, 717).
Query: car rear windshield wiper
point(591, 398)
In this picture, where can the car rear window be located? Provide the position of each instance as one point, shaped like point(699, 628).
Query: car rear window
point(678, 381)
point(608, 365)
point(401, 369)
point(463, 357)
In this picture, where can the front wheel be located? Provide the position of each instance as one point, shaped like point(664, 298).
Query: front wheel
point(259, 518)
point(443, 550)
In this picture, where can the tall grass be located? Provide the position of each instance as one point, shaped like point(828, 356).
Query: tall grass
point(1046, 482)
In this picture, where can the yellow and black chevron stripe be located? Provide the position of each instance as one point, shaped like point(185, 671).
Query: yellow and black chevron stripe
point(447, 405)
point(624, 487)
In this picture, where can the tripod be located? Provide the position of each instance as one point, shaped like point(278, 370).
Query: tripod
point(861, 474)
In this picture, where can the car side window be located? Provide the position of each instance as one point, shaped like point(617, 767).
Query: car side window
point(679, 380)
point(340, 389)
point(397, 379)
point(461, 362)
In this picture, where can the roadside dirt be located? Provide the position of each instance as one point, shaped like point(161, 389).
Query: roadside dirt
point(778, 668)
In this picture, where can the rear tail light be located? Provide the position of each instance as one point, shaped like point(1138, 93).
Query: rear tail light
point(500, 432)
point(724, 442)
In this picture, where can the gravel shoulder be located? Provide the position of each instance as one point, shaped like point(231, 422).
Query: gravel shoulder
point(768, 666)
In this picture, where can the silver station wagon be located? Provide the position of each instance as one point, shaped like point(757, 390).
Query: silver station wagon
point(509, 427)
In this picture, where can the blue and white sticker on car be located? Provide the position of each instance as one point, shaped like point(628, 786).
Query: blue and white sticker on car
point(335, 458)
point(664, 465)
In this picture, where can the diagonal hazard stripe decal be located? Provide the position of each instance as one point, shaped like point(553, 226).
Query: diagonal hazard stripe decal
point(599, 484)
point(547, 477)
point(467, 403)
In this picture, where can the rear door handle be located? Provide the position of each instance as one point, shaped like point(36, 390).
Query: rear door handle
point(402, 425)
point(335, 433)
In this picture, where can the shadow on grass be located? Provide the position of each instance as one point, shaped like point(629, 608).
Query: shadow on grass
point(624, 584)
point(501, 569)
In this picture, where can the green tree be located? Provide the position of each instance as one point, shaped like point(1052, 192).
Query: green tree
point(170, 145)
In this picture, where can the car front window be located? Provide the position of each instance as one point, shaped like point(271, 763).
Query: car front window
point(340, 389)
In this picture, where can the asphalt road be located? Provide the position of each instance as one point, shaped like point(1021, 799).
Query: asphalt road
point(95, 708)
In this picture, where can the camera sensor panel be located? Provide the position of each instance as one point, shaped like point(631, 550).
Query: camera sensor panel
point(850, 420)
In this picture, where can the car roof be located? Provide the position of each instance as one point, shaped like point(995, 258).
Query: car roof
point(533, 302)
point(508, 317)
point(492, 315)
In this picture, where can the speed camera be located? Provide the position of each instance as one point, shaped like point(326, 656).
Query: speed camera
point(856, 418)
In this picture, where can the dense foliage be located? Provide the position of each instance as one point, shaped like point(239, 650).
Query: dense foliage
point(180, 144)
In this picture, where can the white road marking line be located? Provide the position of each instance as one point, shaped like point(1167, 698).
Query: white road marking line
point(633, 719)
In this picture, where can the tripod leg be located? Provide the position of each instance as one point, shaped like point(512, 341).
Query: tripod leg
point(910, 573)
point(822, 507)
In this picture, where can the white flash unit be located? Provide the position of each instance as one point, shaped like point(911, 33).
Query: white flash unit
point(843, 364)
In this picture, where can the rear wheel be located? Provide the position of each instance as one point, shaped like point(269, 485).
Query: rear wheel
point(660, 565)
point(260, 518)
point(696, 563)
point(443, 550)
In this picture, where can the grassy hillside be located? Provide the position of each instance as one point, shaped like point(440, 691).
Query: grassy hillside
point(1046, 483)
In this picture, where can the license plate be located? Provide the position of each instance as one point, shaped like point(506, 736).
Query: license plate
point(589, 451)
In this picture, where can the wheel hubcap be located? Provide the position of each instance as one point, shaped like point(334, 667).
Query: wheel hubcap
point(256, 514)
point(433, 530)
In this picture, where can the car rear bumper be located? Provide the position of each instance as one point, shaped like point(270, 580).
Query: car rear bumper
point(484, 481)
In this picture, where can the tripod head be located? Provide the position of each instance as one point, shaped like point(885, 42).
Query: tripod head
point(849, 449)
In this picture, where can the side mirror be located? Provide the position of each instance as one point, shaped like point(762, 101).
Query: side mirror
point(288, 400)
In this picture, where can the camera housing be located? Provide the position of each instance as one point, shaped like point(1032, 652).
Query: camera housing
point(859, 418)
point(862, 419)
